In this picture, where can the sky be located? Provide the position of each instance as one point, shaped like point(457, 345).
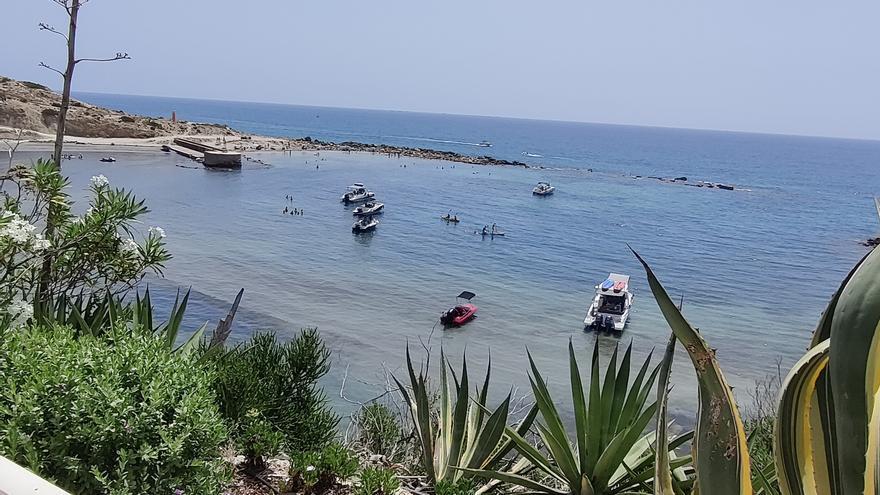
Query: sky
point(783, 66)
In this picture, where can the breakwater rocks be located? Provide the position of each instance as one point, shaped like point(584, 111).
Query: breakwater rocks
point(307, 143)
point(684, 182)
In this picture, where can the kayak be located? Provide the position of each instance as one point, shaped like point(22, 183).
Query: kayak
point(459, 315)
point(450, 219)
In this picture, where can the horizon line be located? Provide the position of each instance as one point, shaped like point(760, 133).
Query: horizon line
point(564, 121)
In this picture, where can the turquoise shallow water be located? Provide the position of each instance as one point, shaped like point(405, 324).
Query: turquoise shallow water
point(756, 267)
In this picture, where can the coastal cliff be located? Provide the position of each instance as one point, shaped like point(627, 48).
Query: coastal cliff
point(34, 107)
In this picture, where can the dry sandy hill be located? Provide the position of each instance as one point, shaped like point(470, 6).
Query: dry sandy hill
point(34, 107)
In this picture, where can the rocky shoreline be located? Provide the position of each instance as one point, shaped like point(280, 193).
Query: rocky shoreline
point(309, 144)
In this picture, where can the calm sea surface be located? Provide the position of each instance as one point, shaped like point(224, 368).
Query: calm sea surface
point(756, 266)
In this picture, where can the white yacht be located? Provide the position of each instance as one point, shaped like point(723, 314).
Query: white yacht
point(610, 308)
point(543, 189)
point(364, 224)
point(368, 209)
point(357, 193)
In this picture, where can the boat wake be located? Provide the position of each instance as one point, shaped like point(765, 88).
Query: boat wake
point(533, 155)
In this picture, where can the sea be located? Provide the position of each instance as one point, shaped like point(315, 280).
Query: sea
point(754, 266)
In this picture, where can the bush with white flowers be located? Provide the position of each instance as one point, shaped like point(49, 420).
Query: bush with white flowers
point(47, 252)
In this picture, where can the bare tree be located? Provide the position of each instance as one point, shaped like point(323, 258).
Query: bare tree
point(13, 144)
point(72, 9)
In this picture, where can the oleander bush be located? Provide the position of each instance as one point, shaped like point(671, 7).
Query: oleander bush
point(379, 481)
point(48, 253)
point(121, 416)
point(278, 382)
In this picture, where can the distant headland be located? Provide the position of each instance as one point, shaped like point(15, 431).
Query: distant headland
point(33, 108)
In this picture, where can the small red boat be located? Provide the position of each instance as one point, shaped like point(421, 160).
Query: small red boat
point(461, 313)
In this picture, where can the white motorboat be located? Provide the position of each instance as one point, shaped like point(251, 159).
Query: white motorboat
point(357, 193)
point(364, 224)
point(543, 189)
point(369, 208)
point(610, 307)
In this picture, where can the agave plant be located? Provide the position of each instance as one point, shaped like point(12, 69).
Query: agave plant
point(827, 434)
point(98, 316)
point(611, 452)
point(463, 432)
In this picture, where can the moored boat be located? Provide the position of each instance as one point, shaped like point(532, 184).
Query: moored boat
point(357, 193)
point(364, 224)
point(543, 189)
point(610, 307)
point(460, 314)
point(369, 208)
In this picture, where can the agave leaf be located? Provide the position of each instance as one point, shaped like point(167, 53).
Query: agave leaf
point(192, 342)
point(620, 389)
point(662, 469)
point(556, 438)
point(872, 458)
point(174, 321)
point(594, 414)
point(518, 480)
point(459, 421)
point(823, 329)
point(505, 446)
point(607, 398)
point(487, 438)
point(720, 452)
point(534, 456)
point(797, 444)
point(853, 330)
point(580, 406)
point(612, 457)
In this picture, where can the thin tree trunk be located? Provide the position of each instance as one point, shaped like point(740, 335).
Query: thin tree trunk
point(68, 79)
point(43, 298)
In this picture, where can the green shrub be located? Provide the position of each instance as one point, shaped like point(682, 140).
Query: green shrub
point(258, 440)
point(100, 416)
point(279, 382)
point(317, 472)
point(381, 481)
point(379, 430)
point(464, 486)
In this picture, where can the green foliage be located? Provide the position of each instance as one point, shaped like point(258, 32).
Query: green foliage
point(97, 416)
point(379, 430)
point(258, 440)
point(461, 437)
point(380, 481)
point(48, 253)
point(317, 472)
point(278, 381)
point(611, 454)
point(464, 486)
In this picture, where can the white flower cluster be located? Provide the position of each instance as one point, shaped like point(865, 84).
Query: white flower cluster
point(100, 181)
point(20, 311)
point(22, 232)
point(159, 231)
point(129, 246)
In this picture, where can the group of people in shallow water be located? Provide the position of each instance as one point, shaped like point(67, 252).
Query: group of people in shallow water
point(289, 210)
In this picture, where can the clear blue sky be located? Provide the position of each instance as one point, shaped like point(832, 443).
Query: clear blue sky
point(784, 66)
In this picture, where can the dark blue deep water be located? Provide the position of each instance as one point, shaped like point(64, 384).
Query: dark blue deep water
point(756, 265)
